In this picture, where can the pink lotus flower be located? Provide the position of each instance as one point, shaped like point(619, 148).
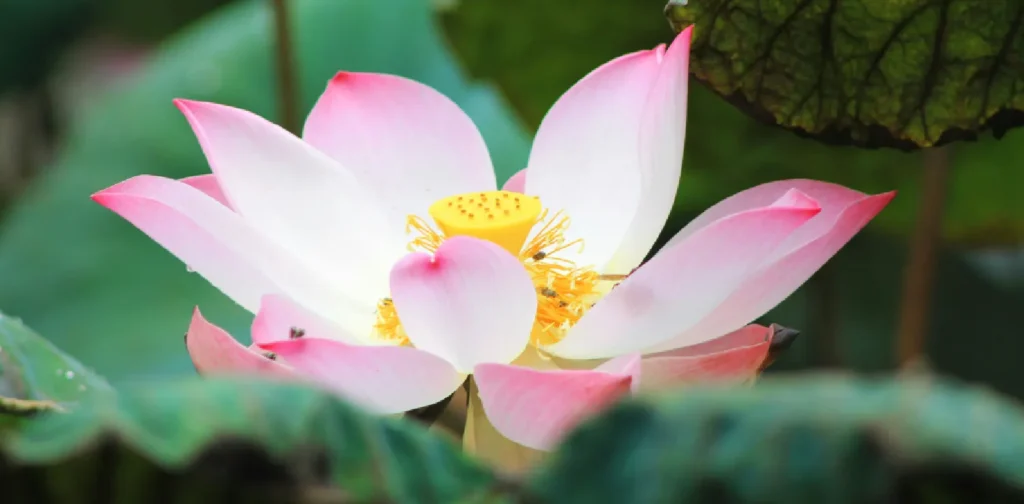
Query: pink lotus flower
point(526, 288)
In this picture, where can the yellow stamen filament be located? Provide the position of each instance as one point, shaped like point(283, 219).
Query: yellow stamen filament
point(564, 291)
point(426, 238)
point(387, 326)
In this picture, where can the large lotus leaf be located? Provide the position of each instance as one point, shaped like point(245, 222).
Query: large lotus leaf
point(101, 289)
point(868, 72)
point(802, 439)
point(206, 441)
point(535, 50)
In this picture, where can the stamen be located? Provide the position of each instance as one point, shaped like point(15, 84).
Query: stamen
point(388, 327)
point(426, 239)
point(564, 291)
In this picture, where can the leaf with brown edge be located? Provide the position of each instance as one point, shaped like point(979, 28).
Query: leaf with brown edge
point(872, 73)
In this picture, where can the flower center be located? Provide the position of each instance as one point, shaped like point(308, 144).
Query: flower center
point(502, 217)
point(564, 291)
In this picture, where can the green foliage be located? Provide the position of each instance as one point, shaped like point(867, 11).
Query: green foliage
point(200, 441)
point(799, 440)
point(868, 72)
point(535, 66)
point(808, 439)
point(33, 33)
point(153, 20)
point(34, 374)
point(36, 377)
point(100, 288)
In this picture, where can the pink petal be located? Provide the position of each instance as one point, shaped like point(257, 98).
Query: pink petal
point(383, 379)
point(585, 159)
point(662, 132)
point(516, 183)
point(214, 351)
point(472, 302)
point(404, 140)
point(281, 319)
point(219, 245)
point(832, 198)
point(736, 356)
point(209, 186)
point(844, 213)
point(208, 237)
point(536, 408)
point(681, 284)
point(299, 197)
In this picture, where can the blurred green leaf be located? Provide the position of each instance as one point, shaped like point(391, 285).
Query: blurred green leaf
point(805, 439)
point(535, 50)
point(973, 328)
point(152, 20)
point(867, 72)
point(33, 33)
point(96, 285)
point(36, 377)
point(34, 372)
point(255, 441)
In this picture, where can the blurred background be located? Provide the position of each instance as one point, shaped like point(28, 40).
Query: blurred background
point(85, 101)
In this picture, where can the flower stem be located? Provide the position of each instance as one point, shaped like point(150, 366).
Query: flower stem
point(920, 268)
point(287, 95)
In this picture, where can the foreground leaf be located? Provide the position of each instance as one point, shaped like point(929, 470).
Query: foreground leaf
point(868, 72)
point(35, 375)
point(200, 441)
point(807, 439)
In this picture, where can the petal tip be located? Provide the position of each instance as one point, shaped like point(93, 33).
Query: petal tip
point(190, 108)
point(797, 199)
point(105, 196)
point(183, 104)
point(341, 77)
point(197, 316)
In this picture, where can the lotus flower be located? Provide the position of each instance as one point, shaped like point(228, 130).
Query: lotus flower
point(382, 261)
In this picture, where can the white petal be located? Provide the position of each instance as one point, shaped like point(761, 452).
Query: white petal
point(585, 159)
point(219, 245)
point(298, 196)
point(405, 141)
point(662, 132)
